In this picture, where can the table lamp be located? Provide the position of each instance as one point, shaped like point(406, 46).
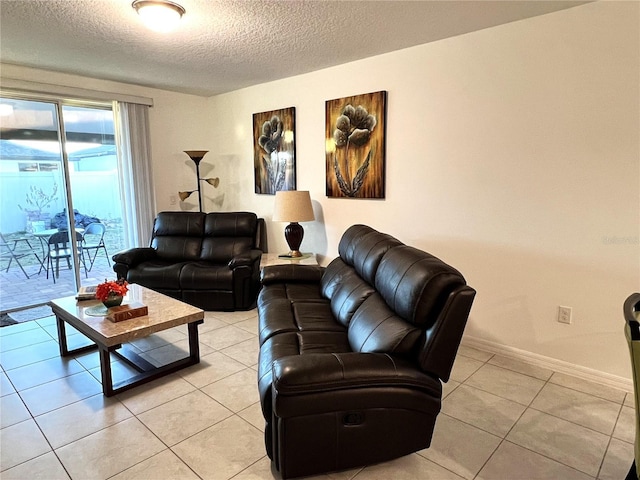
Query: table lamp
point(293, 206)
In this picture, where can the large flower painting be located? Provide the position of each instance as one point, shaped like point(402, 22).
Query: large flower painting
point(274, 151)
point(355, 146)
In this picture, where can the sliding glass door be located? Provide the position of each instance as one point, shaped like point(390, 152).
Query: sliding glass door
point(60, 207)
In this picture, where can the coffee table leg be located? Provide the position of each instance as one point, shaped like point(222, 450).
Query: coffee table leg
point(62, 337)
point(62, 341)
point(194, 345)
point(105, 370)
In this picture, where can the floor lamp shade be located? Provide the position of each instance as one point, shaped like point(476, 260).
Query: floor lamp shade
point(293, 206)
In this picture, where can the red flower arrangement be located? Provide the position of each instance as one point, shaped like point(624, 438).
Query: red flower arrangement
point(112, 288)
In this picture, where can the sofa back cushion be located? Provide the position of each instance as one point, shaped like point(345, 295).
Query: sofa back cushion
point(348, 280)
point(415, 284)
point(411, 289)
point(375, 328)
point(332, 277)
point(228, 234)
point(345, 289)
point(363, 248)
point(178, 235)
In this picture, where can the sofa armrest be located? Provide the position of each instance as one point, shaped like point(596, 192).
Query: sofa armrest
point(245, 259)
point(311, 384)
point(312, 373)
point(291, 273)
point(134, 256)
point(127, 259)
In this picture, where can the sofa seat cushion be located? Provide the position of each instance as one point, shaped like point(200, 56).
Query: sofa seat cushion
point(157, 274)
point(315, 316)
point(206, 276)
point(292, 292)
point(278, 318)
point(285, 316)
point(323, 342)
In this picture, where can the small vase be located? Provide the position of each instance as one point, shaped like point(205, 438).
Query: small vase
point(112, 301)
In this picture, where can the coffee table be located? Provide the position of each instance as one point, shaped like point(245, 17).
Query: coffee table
point(110, 338)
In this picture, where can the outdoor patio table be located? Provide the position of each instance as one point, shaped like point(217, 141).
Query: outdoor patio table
point(15, 253)
point(43, 236)
point(47, 233)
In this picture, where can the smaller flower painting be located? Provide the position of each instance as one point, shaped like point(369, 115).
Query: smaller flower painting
point(355, 146)
point(274, 152)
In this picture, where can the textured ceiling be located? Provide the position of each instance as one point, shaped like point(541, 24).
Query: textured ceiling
point(224, 45)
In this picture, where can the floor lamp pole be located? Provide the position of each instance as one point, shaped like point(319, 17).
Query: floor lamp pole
point(198, 177)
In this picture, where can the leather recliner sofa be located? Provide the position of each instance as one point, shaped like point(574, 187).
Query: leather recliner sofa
point(352, 356)
point(210, 260)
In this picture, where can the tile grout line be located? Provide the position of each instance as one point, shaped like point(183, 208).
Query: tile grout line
point(501, 439)
point(504, 439)
point(611, 437)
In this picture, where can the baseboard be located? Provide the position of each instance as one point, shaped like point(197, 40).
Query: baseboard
point(556, 365)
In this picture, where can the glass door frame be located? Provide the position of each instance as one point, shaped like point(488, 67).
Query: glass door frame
point(62, 141)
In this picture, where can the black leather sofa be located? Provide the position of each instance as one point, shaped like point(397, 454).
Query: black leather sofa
point(208, 260)
point(352, 356)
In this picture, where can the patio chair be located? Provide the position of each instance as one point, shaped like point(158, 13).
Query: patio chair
point(93, 241)
point(59, 248)
point(12, 253)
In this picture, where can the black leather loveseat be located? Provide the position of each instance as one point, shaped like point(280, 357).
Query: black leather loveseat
point(352, 356)
point(208, 260)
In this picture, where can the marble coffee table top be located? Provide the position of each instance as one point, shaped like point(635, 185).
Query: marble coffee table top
point(164, 312)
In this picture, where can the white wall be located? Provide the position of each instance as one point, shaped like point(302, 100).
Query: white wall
point(512, 153)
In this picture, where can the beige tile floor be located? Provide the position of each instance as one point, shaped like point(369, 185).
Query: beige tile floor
point(500, 419)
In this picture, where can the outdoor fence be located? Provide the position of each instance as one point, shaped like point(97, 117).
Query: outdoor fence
point(94, 194)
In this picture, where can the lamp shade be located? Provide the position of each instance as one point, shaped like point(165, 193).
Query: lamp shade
point(293, 206)
point(196, 155)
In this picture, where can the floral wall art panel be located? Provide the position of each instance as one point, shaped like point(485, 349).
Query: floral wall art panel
point(355, 146)
point(274, 151)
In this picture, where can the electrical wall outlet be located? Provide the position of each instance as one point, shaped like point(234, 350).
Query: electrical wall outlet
point(173, 199)
point(564, 314)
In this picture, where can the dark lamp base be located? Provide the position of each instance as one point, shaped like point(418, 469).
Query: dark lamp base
point(294, 233)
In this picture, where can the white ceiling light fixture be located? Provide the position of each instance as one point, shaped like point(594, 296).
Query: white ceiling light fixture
point(159, 15)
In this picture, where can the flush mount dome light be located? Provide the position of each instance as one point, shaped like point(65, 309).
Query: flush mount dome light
point(159, 15)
